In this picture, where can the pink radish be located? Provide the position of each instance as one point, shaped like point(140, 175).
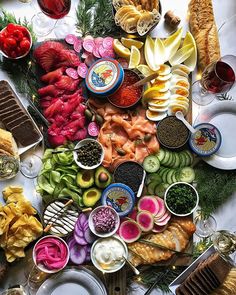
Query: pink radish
point(148, 203)
point(159, 228)
point(82, 70)
point(108, 43)
point(89, 44)
point(162, 208)
point(130, 231)
point(78, 45)
point(70, 39)
point(93, 129)
point(145, 221)
point(72, 73)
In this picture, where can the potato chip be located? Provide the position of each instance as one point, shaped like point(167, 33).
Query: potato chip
point(25, 207)
point(10, 190)
point(15, 197)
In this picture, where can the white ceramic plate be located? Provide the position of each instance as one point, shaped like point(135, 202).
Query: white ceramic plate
point(73, 281)
point(184, 275)
point(227, 36)
point(223, 116)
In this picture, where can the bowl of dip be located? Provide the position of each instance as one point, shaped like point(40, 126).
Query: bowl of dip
point(206, 140)
point(107, 254)
point(127, 95)
point(58, 257)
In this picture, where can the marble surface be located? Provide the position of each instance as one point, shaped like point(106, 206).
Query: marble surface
point(225, 215)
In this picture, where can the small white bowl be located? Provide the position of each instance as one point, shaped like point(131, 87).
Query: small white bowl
point(92, 227)
point(41, 266)
point(109, 239)
point(176, 214)
point(82, 143)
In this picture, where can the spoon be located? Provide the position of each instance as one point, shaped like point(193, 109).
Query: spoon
point(179, 115)
point(135, 270)
point(145, 80)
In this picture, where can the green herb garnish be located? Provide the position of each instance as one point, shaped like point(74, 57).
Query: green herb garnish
point(181, 198)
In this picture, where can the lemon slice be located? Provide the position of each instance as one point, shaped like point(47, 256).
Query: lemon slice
point(134, 57)
point(151, 92)
point(131, 42)
point(120, 49)
point(191, 61)
point(149, 53)
point(145, 70)
point(181, 55)
point(172, 44)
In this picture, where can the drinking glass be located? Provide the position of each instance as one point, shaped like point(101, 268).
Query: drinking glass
point(218, 77)
point(30, 165)
point(205, 225)
point(47, 20)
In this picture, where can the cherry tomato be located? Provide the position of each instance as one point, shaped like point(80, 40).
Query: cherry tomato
point(25, 45)
point(2, 39)
point(12, 54)
point(11, 27)
point(18, 35)
point(10, 42)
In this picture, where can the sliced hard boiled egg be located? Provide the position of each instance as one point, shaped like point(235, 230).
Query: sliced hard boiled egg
point(158, 109)
point(179, 90)
point(180, 82)
point(182, 68)
point(179, 102)
point(176, 77)
point(155, 116)
point(158, 103)
point(178, 97)
point(164, 70)
point(175, 107)
point(162, 96)
point(179, 72)
point(163, 77)
point(163, 86)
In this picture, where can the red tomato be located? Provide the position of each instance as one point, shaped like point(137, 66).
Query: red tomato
point(25, 45)
point(12, 54)
point(10, 27)
point(10, 42)
point(18, 35)
point(2, 39)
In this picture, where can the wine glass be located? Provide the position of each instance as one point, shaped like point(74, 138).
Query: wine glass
point(47, 20)
point(30, 165)
point(218, 77)
point(205, 225)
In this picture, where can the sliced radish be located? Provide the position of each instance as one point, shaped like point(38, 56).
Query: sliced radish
point(159, 228)
point(88, 254)
point(85, 54)
point(96, 51)
point(108, 43)
point(108, 53)
point(82, 219)
point(162, 208)
point(79, 240)
point(71, 39)
point(130, 231)
point(167, 214)
point(98, 41)
point(145, 220)
point(78, 45)
point(72, 73)
point(82, 70)
point(89, 45)
point(89, 60)
point(93, 129)
point(78, 254)
point(163, 222)
point(148, 203)
point(89, 236)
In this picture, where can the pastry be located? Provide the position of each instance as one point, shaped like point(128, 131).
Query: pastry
point(7, 143)
point(203, 27)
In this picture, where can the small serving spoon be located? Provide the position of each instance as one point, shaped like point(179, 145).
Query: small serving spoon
point(179, 115)
point(135, 270)
point(145, 80)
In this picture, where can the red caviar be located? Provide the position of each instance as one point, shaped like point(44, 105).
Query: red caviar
point(127, 95)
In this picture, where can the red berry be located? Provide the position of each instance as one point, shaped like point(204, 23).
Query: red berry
point(2, 39)
point(12, 54)
point(25, 45)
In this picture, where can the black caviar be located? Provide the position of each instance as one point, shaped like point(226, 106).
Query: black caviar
point(181, 198)
point(172, 133)
point(129, 173)
point(89, 154)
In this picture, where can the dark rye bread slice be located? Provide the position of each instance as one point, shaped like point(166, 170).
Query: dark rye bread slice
point(183, 290)
point(17, 122)
point(4, 94)
point(4, 83)
point(13, 115)
point(25, 133)
point(9, 112)
point(208, 279)
point(198, 286)
point(3, 112)
point(219, 267)
point(10, 102)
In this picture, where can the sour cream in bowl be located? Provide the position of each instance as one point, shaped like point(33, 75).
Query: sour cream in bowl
point(107, 254)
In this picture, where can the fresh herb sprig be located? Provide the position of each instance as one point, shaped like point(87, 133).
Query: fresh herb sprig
point(95, 17)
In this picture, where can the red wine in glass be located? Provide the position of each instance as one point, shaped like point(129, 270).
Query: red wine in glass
point(218, 77)
point(55, 9)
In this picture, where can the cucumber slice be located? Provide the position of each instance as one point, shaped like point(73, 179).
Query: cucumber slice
point(154, 177)
point(170, 175)
point(186, 174)
point(151, 188)
point(191, 156)
point(166, 158)
point(177, 161)
point(161, 189)
point(174, 177)
point(169, 160)
point(173, 160)
point(151, 164)
point(182, 160)
point(160, 155)
point(187, 157)
point(164, 176)
point(162, 171)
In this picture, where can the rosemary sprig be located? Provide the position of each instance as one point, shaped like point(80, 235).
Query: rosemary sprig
point(164, 247)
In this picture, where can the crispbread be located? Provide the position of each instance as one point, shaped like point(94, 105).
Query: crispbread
point(12, 115)
point(147, 20)
point(16, 122)
point(27, 129)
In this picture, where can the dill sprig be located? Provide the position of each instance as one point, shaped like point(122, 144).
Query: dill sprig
point(95, 17)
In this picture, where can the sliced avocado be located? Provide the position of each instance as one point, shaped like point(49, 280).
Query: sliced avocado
point(102, 177)
point(91, 196)
point(85, 178)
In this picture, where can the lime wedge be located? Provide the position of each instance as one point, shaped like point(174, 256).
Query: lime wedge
point(172, 43)
point(181, 55)
point(191, 61)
